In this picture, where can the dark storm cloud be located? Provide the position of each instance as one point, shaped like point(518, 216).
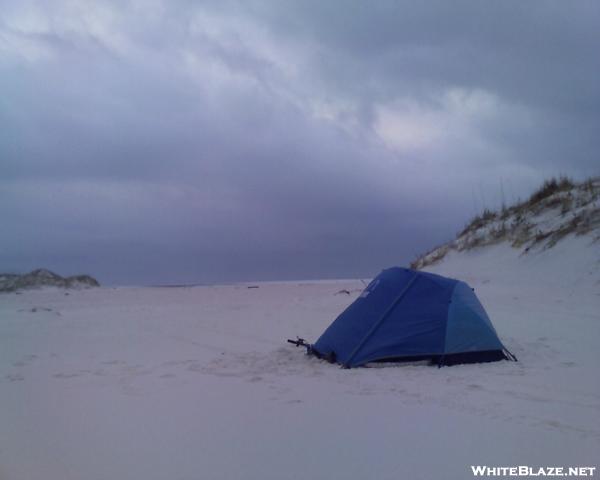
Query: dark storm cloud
point(538, 55)
point(533, 52)
point(185, 141)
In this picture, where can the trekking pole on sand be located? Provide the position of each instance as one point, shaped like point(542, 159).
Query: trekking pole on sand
point(300, 342)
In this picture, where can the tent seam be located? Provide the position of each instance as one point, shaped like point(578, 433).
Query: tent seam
point(448, 319)
point(377, 324)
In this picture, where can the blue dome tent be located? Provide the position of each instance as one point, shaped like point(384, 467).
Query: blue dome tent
point(406, 314)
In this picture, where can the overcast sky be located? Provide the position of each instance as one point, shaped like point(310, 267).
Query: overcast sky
point(154, 141)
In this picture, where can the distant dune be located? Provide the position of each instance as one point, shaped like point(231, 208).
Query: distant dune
point(10, 282)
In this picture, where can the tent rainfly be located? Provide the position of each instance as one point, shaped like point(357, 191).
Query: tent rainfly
point(411, 315)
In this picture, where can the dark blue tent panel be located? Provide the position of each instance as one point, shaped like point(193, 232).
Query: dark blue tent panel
point(405, 313)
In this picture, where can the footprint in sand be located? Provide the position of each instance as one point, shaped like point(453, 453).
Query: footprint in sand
point(66, 375)
point(25, 361)
point(474, 386)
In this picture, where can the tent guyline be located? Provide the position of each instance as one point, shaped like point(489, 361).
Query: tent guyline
point(409, 315)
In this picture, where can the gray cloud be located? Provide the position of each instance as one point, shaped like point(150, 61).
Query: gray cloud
point(185, 141)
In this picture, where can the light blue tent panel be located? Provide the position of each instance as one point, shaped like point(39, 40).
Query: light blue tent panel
point(468, 328)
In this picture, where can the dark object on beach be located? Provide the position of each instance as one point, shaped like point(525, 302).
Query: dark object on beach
point(343, 290)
